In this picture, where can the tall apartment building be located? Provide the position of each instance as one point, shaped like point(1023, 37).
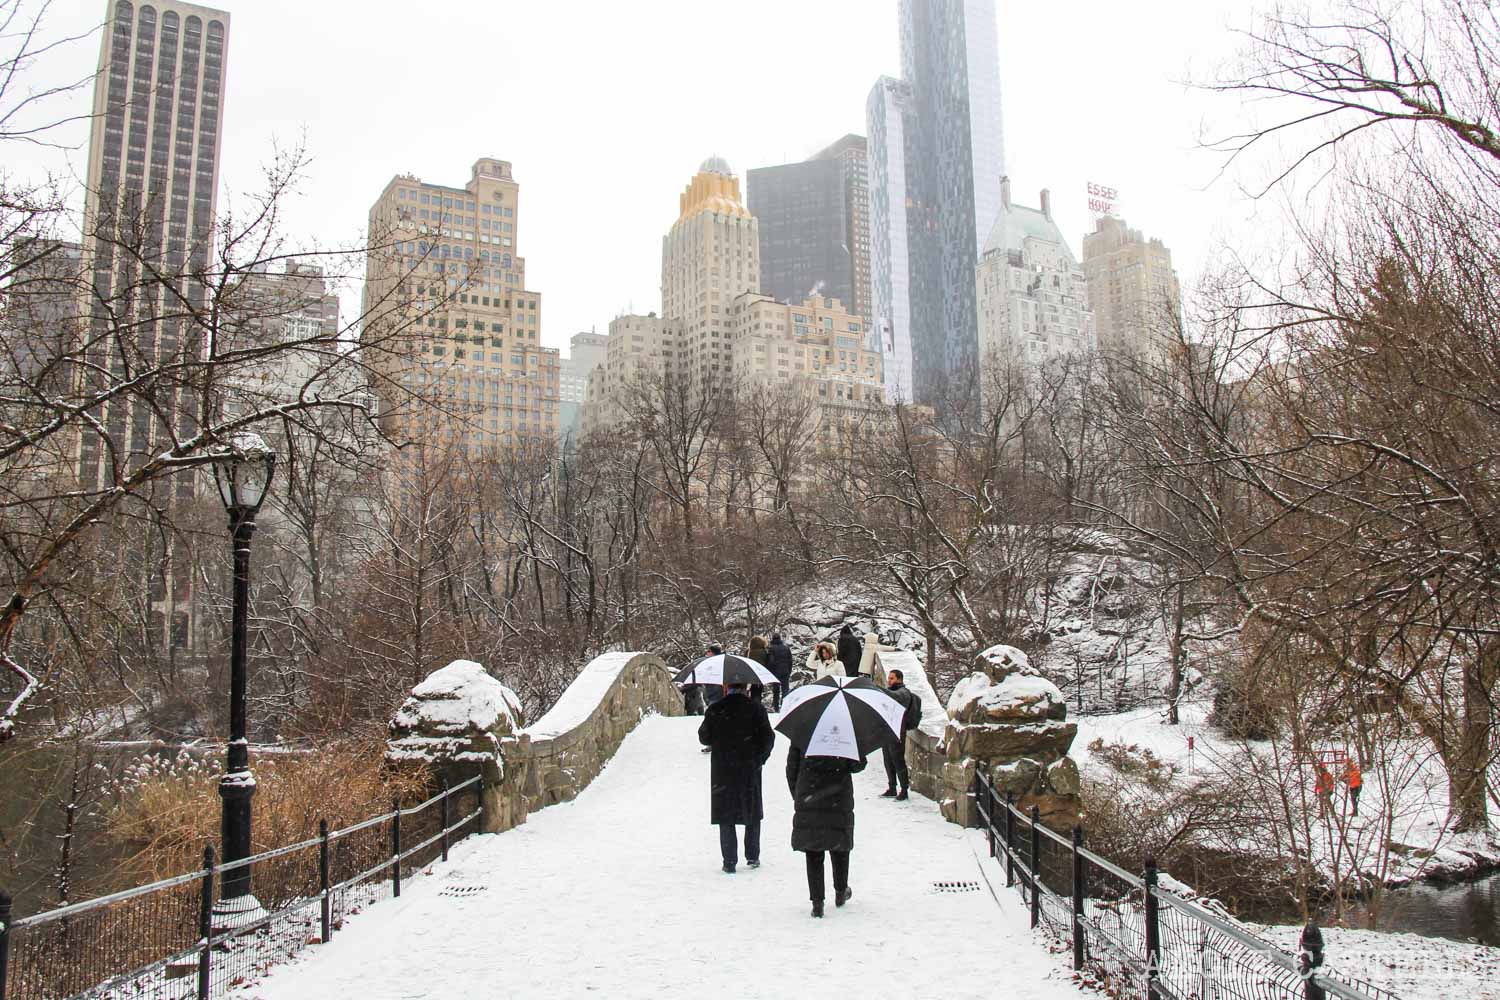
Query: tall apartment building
point(292, 305)
point(940, 127)
point(465, 334)
point(709, 256)
point(814, 226)
point(1132, 288)
point(586, 351)
point(1032, 299)
point(150, 200)
point(852, 154)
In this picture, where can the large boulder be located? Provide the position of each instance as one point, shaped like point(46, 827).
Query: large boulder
point(1017, 697)
point(1045, 741)
point(459, 715)
point(1000, 661)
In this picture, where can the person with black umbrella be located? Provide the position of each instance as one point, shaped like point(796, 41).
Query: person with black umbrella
point(738, 733)
point(832, 724)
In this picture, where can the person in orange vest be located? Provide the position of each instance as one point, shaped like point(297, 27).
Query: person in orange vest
point(1323, 786)
point(1355, 781)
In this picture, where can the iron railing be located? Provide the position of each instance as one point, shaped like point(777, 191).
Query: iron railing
point(160, 940)
point(1135, 937)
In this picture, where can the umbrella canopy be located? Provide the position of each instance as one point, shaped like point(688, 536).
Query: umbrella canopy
point(725, 668)
point(840, 717)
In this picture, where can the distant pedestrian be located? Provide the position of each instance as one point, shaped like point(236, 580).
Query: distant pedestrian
point(711, 692)
point(823, 661)
point(1355, 782)
point(1323, 787)
point(758, 653)
point(738, 733)
point(896, 774)
point(850, 651)
point(779, 662)
point(823, 819)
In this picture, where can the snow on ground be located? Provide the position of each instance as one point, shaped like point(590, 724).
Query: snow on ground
point(1411, 967)
point(619, 894)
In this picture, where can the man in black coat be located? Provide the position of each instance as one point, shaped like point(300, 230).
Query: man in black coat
point(823, 819)
point(895, 756)
point(779, 662)
point(851, 651)
point(739, 734)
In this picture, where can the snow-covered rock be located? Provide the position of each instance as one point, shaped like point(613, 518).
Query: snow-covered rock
point(459, 714)
point(977, 698)
point(1000, 661)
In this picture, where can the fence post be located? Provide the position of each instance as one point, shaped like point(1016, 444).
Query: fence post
point(206, 922)
point(1036, 866)
point(396, 845)
point(1079, 892)
point(327, 907)
point(1010, 839)
point(1153, 931)
point(444, 817)
point(5, 903)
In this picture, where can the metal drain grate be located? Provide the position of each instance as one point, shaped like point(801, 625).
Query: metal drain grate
point(461, 890)
point(955, 887)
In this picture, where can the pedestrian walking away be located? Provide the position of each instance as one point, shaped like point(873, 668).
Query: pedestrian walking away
point(737, 731)
point(897, 777)
point(850, 651)
point(779, 662)
point(1355, 782)
point(823, 820)
point(758, 652)
point(710, 693)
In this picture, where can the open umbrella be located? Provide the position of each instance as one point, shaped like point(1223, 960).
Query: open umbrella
point(725, 668)
point(840, 717)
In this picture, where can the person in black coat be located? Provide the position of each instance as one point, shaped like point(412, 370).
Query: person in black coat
point(823, 819)
point(779, 662)
point(895, 756)
point(738, 733)
point(851, 651)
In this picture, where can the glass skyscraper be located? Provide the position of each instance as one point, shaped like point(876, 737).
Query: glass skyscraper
point(936, 159)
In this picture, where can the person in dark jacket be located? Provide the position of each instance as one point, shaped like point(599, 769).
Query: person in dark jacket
point(823, 819)
point(738, 733)
point(851, 651)
point(779, 662)
point(711, 693)
point(895, 756)
point(758, 653)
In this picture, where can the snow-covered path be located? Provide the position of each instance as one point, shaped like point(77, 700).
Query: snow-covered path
point(619, 894)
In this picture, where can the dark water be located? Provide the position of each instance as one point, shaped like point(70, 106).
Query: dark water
point(1467, 911)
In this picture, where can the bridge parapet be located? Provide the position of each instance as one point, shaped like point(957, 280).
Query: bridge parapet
point(554, 758)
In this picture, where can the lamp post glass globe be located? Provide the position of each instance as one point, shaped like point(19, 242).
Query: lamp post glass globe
point(244, 480)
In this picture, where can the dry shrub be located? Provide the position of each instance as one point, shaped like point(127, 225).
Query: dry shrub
point(165, 812)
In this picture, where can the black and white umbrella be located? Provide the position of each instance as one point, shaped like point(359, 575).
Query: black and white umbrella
point(725, 668)
point(840, 717)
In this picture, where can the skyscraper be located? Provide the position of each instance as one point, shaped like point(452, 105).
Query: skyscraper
point(467, 335)
point(852, 154)
point(941, 125)
point(1132, 288)
point(803, 230)
point(150, 202)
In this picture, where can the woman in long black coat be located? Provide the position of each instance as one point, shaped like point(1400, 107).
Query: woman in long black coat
point(739, 733)
point(851, 651)
point(823, 819)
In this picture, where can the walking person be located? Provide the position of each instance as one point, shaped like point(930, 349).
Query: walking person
point(738, 733)
point(896, 773)
point(823, 662)
point(1323, 787)
point(1355, 782)
point(850, 651)
point(779, 662)
point(709, 694)
point(758, 653)
point(823, 820)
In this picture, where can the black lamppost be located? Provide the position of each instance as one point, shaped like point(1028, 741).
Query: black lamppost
point(243, 474)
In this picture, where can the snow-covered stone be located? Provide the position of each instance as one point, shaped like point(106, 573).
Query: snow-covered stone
point(1000, 661)
point(458, 715)
point(978, 698)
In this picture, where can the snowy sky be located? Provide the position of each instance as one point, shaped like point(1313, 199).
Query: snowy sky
point(605, 109)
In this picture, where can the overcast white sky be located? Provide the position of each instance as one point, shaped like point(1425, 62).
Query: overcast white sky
point(605, 109)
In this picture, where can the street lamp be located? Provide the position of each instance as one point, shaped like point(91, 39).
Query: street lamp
point(243, 475)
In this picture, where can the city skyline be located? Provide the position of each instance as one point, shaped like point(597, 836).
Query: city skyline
point(1083, 133)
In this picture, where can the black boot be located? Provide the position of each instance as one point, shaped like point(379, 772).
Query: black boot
point(817, 907)
point(901, 795)
point(889, 793)
point(841, 896)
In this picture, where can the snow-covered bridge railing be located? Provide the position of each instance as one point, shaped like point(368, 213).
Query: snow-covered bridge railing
point(1132, 933)
point(164, 940)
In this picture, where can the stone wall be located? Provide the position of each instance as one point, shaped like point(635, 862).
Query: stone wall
point(555, 758)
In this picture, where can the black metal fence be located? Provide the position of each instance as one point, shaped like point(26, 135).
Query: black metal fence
point(164, 940)
point(1135, 937)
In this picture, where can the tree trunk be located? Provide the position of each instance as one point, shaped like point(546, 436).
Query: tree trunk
point(1176, 691)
